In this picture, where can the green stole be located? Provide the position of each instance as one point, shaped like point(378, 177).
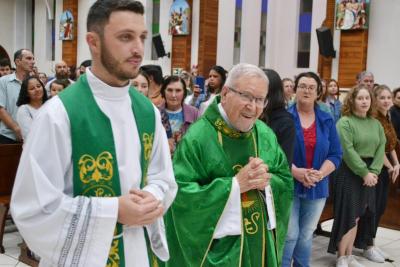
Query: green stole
point(255, 240)
point(95, 167)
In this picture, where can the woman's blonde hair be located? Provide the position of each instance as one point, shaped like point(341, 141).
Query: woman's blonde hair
point(348, 107)
point(378, 89)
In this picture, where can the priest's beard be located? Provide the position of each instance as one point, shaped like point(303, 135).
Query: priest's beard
point(114, 67)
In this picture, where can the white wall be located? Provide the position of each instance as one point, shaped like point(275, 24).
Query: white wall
point(83, 52)
point(83, 49)
point(16, 25)
point(383, 42)
point(58, 43)
point(319, 14)
point(7, 10)
point(281, 44)
point(23, 24)
point(43, 38)
point(148, 20)
point(164, 62)
point(335, 61)
point(282, 35)
point(250, 32)
point(194, 58)
point(226, 33)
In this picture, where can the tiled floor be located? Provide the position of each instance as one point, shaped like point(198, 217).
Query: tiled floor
point(10, 257)
point(388, 240)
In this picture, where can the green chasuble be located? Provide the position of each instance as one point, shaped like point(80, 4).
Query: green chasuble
point(207, 158)
point(94, 158)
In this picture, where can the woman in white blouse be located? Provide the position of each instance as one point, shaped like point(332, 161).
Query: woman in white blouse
point(30, 99)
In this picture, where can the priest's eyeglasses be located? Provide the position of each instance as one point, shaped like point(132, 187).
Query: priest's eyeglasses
point(248, 98)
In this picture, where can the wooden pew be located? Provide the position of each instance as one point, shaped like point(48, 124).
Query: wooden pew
point(9, 159)
point(26, 256)
point(326, 215)
point(391, 217)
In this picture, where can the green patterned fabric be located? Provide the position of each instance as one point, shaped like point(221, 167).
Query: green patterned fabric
point(95, 164)
point(205, 161)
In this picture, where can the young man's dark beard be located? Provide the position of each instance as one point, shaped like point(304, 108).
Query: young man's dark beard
point(112, 66)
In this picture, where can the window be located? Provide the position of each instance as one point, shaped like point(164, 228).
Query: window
point(303, 46)
point(33, 26)
point(263, 33)
point(51, 25)
point(155, 26)
point(238, 28)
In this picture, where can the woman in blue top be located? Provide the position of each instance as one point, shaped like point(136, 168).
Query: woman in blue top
point(317, 153)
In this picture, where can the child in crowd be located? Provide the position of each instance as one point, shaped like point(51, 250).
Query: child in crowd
point(57, 86)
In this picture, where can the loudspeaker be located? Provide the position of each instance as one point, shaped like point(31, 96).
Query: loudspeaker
point(158, 45)
point(325, 42)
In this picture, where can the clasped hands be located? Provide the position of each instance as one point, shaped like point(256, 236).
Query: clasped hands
point(254, 175)
point(138, 208)
point(308, 177)
point(370, 179)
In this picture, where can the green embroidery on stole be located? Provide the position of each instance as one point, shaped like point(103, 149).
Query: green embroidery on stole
point(95, 168)
point(146, 133)
point(254, 228)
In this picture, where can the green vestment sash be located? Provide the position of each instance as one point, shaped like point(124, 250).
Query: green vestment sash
point(205, 161)
point(95, 165)
point(253, 246)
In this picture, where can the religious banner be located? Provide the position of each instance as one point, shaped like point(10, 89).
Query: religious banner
point(66, 26)
point(352, 14)
point(179, 15)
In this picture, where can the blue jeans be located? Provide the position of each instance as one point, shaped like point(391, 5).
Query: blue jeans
point(302, 224)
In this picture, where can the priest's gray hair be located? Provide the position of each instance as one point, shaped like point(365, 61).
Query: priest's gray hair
point(364, 74)
point(242, 70)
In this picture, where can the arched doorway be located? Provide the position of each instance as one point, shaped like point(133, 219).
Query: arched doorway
point(3, 53)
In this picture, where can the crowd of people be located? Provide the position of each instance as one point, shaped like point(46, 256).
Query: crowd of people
point(24, 90)
point(238, 171)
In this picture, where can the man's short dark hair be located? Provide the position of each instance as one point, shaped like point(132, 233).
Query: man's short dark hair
point(18, 53)
point(396, 91)
point(63, 82)
point(86, 63)
point(155, 72)
point(4, 62)
point(101, 10)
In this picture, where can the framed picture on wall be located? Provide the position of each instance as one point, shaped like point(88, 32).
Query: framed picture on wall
point(179, 16)
point(352, 14)
point(66, 26)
